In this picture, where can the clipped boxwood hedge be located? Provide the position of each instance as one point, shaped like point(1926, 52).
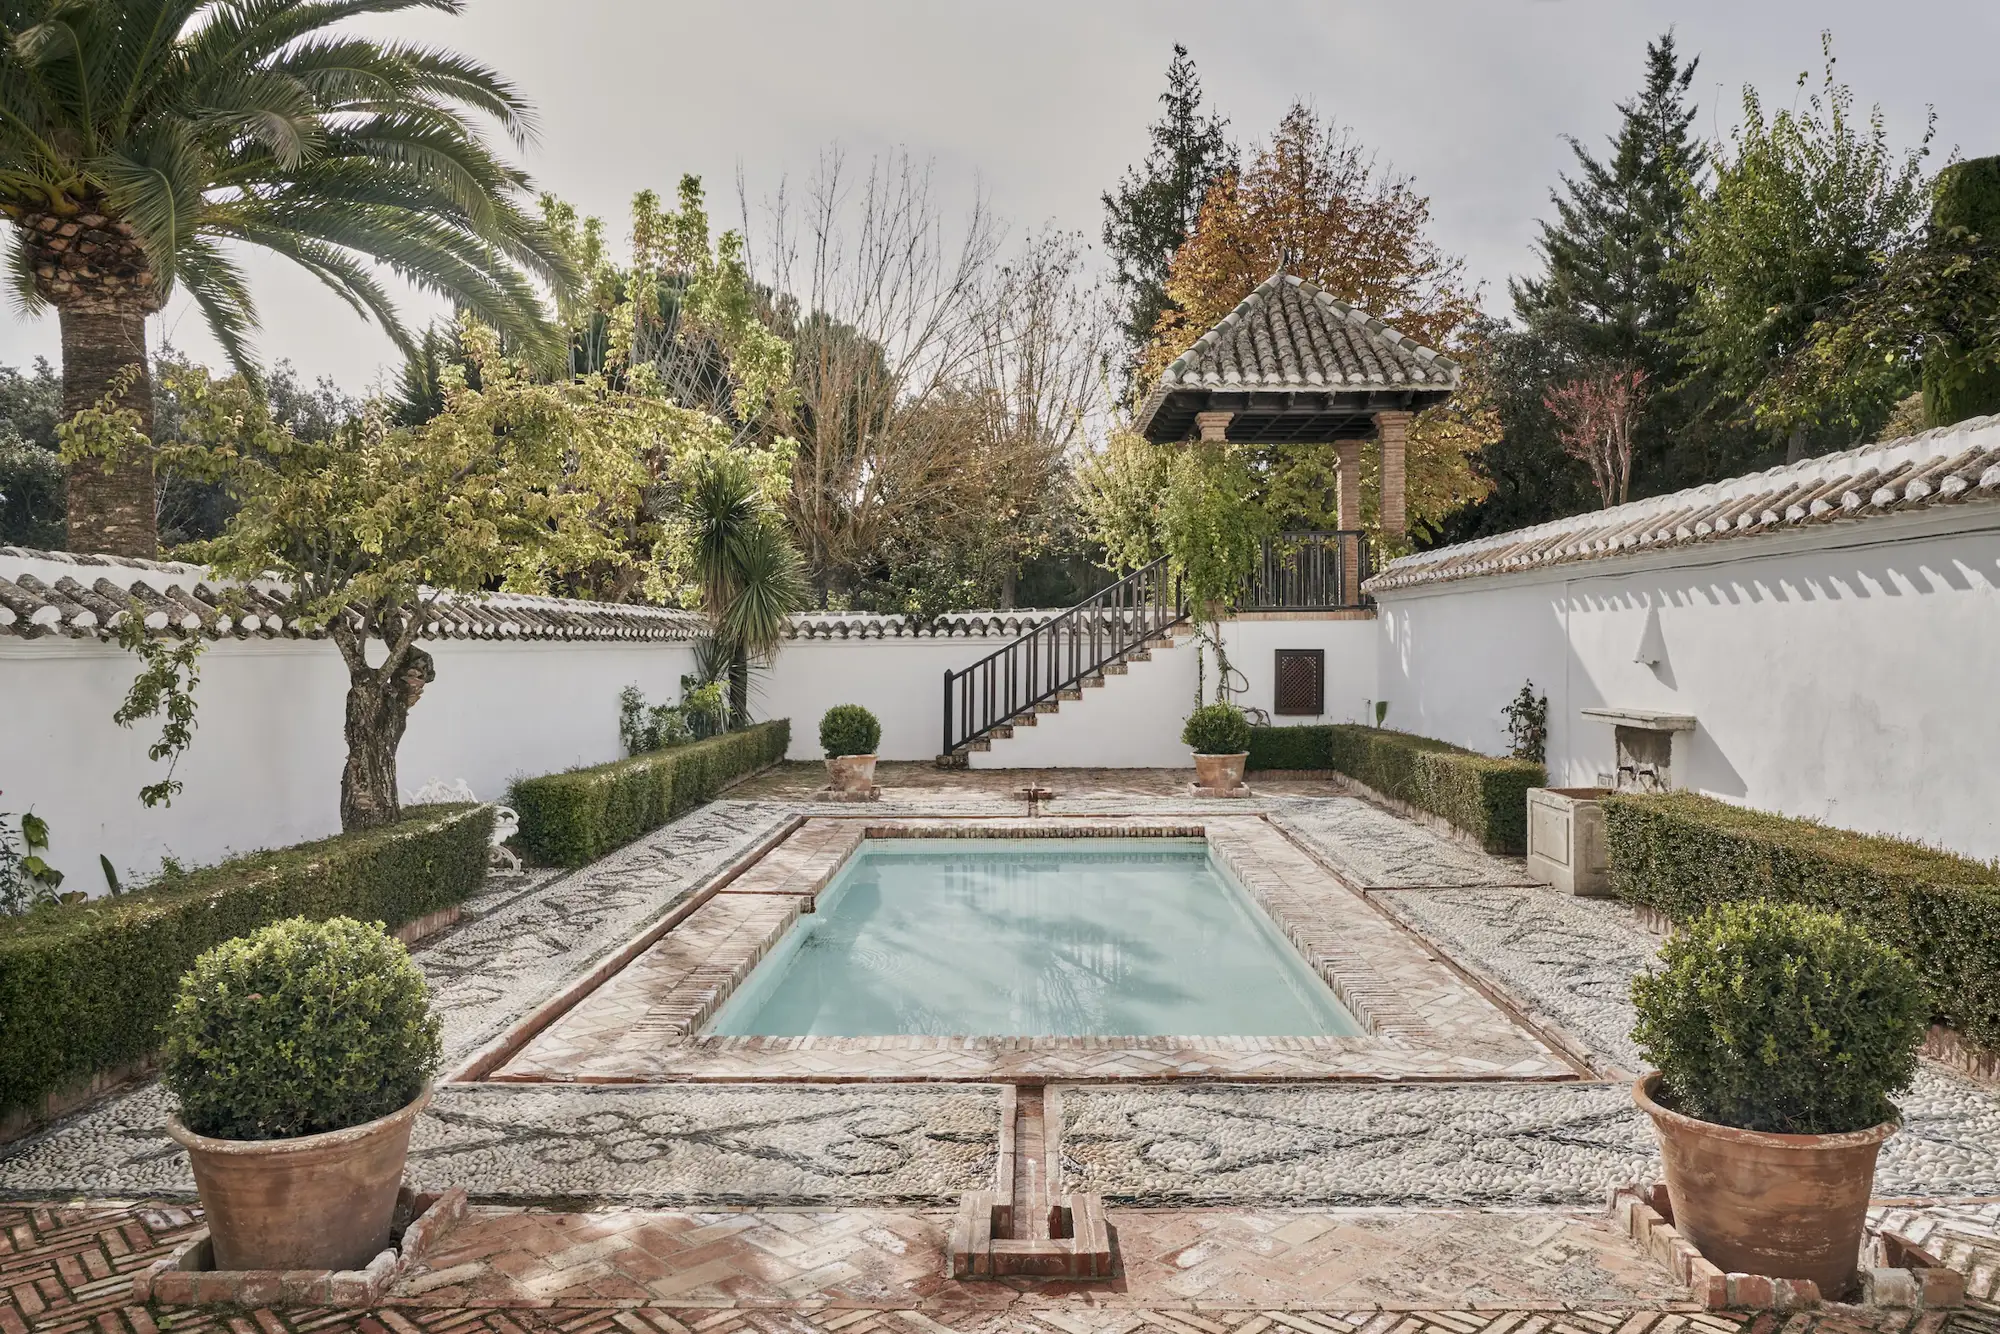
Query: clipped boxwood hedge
point(1484, 796)
point(84, 988)
point(1679, 853)
point(570, 818)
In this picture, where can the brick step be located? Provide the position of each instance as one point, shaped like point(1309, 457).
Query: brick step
point(1067, 692)
point(1024, 719)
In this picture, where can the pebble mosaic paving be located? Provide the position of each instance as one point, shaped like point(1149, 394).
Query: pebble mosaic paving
point(1561, 959)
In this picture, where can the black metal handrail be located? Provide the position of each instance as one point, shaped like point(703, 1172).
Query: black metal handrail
point(1309, 571)
point(1298, 571)
point(1060, 653)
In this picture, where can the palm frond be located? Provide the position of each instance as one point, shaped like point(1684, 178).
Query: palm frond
point(202, 123)
point(219, 290)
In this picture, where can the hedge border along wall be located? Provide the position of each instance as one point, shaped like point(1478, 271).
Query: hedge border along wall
point(83, 987)
point(571, 818)
point(1679, 853)
point(1484, 796)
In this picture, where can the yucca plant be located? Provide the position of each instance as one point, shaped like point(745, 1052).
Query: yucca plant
point(747, 568)
point(140, 140)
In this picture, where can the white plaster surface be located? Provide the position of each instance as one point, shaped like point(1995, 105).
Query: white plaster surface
point(264, 769)
point(1842, 675)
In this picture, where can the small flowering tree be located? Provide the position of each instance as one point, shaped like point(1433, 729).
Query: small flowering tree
point(1596, 415)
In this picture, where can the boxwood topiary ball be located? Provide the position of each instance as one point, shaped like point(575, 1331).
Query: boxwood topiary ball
point(1217, 729)
point(849, 729)
point(299, 1028)
point(1780, 1018)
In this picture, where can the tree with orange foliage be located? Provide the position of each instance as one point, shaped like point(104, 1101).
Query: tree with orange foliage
point(1316, 201)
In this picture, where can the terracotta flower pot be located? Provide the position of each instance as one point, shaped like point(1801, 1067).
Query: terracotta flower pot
point(1220, 772)
point(850, 773)
point(315, 1202)
point(1784, 1206)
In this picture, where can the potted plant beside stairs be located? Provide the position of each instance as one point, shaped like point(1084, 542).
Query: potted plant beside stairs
point(849, 734)
point(300, 1056)
point(1220, 736)
point(1779, 1033)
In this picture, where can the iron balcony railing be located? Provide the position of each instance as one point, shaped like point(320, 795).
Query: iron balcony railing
point(1060, 653)
point(1310, 571)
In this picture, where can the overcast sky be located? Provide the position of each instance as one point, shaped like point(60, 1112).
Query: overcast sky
point(1042, 103)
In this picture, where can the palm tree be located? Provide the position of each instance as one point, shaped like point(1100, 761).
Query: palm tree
point(139, 138)
point(747, 568)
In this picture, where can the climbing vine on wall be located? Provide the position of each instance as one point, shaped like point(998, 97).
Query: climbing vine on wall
point(165, 684)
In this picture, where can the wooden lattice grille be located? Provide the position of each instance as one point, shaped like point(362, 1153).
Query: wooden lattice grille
point(1301, 682)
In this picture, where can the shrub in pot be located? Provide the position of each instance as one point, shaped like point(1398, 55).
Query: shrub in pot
point(849, 734)
point(1220, 736)
point(300, 1055)
point(1779, 1033)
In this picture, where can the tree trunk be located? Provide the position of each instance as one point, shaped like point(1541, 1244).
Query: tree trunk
point(112, 507)
point(378, 711)
point(1009, 587)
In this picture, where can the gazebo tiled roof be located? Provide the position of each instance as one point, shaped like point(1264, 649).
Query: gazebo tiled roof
point(1294, 362)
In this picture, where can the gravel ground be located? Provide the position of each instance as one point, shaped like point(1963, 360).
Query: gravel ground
point(1445, 1144)
point(658, 1145)
point(1565, 959)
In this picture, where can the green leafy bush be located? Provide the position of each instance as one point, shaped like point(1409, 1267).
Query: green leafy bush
point(570, 818)
point(849, 729)
point(1484, 796)
point(84, 987)
point(1680, 854)
point(1217, 729)
point(300, 1028)
point(1775, 1017)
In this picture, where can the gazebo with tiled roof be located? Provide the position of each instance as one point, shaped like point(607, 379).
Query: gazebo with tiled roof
point(1295, 363)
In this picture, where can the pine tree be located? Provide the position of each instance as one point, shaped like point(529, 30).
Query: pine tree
point(1153, 209)
point(1611, 292)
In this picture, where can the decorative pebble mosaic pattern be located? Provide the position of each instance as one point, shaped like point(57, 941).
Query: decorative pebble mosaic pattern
point(1435, 1145)
point(1564, 960)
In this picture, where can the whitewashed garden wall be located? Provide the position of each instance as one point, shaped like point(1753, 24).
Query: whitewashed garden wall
point(1840, 664)
point(264, 770)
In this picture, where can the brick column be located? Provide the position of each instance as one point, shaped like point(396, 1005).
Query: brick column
point(1349, 452)
point(1214, 426)
point(1392, 428)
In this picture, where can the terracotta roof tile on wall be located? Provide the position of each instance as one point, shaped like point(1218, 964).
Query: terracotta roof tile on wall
point(57, 593)
point(86, 597)
point(1951, 465)
point(952, 625)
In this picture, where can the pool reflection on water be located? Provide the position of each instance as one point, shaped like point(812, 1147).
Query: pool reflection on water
point(1034, 938)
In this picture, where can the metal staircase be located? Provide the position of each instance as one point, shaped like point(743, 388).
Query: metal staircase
point(1100, 637)
point(1059, 659)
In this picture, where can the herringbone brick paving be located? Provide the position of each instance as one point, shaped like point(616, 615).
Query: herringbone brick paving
point(65, 1269)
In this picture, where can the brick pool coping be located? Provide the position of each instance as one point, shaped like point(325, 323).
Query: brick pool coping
point(636, 1022)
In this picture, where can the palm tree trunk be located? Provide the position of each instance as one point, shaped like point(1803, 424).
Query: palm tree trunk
point(112, 508)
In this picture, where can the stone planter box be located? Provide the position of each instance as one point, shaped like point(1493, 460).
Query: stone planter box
point(1566, 839)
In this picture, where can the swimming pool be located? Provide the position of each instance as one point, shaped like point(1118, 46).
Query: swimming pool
point(1080, 937)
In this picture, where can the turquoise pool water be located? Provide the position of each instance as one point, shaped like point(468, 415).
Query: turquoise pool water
point(1034, 938)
